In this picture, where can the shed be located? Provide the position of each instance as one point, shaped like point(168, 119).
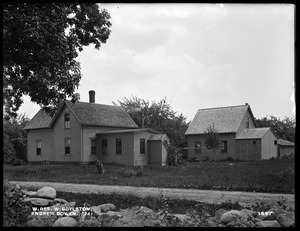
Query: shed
point(285, 148)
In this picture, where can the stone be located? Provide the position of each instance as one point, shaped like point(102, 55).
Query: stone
point(36, 223)
point(65, 222)
point(286, 219)
point(107, 207)
point(248, 212)
point(38, 201)
point(211, 222)
point(181, 217)
point(61, 201)
point(233, 215)
point(29, 193)
point(96, 209)
point(46, 192)
point(219, 213)
point(267, 224)
point(145, 210)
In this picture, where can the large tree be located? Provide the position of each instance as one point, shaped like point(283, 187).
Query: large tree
point(285, 129)
point(40, 44)
point(157, 115)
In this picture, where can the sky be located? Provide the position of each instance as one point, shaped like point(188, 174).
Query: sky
point(194, 55)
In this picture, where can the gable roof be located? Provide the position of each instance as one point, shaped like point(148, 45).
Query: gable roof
point(225, 119)
point(283, 142)
point(253, 133)
point(87, 114)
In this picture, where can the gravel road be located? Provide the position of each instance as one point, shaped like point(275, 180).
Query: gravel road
point(207, 196)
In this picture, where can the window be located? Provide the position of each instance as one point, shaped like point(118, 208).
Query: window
point(197, 146)
point(38, 147)
point(104, 147)
point(67, 146)
point(224, 146)
point(254, 142)
point(93, 146)
point(142, 146)
point(275, 142)
point(119, 146)
point(247, 122)
point(67, 121)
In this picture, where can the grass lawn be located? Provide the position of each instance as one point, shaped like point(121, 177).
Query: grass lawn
point(275, 176)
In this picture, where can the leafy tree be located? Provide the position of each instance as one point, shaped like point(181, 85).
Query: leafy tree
point(40, 44)
point(285, 129)
point(211, 139)
point(158, 116)
point(15, 140)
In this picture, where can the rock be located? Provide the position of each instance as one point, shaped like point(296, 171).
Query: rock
point(46, 192)
point(212, 222)
point(36, 223)
point(267, 224)
point(255, 220)
point(145, 210)
point(65, 222)
point(248, 212)
point(96, 209)
point(107, 207)
point(39, 201)
point(181, 217)
point(61, 201)
point(286, 219)
point(29, 193)
point(233, 215)
point(219, 213)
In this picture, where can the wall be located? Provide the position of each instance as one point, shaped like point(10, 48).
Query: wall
point(231, 151)
point(243, 123)
point(269, 150)
point(155, 152)
point(60, 133)
point(111, 157)
point(286, 150)
point(141, 159)
point(47, 150)
point(246, 150)
point(89, 132)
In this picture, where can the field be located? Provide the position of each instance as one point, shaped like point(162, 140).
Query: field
point(275, 176)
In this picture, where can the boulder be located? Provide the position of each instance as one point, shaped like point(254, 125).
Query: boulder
point(61, 201)
point(29, 193)
point(182, 217)
point(107, 207)
point(248, 212)
point(96, 209)
point(39, 201)
point(267, 224)
point(233, 215)
point(46, 192)
point(219, 213)
point(65, 222)
point(286, 219)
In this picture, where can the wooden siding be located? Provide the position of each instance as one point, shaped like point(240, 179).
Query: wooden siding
point(47, 150)
point(286, 150)
point(243, 123)
point(60, 134)
point(247, 150)
point(89, 132)
point(269, 150)
point(231, 151)
point(126, 158)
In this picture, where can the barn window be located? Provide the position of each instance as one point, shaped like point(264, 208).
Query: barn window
point(67, 146)
point(93, 146)
point(119, 146)
point(254, 142)
point(104, 147)
point(197, 146)
point(224, 146)
point(275, 142)
point(38, 147)
point(67, 121)
point(142, 146)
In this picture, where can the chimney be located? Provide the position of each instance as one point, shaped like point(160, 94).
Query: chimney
point(92, 96)
point(246, 103)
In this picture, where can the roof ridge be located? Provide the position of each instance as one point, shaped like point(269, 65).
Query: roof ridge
point(94, 103)
point(224, 107)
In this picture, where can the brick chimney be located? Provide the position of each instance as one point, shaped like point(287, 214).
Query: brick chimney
point(92, 96)
point(246, 103)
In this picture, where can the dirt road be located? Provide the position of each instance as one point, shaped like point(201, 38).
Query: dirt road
point(207, 196)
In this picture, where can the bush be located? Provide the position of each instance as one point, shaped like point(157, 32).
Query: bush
point(9, 152)
point(17, 162)
point(126, 172)
point(15, 211)
point(174, 156)
point(140, 171)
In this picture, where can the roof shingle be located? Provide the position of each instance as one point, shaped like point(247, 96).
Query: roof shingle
point(225, 119)
point(253, 133)
point(90, 114)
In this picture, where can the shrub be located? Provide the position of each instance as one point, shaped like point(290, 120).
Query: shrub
point(140, 171)
point(126, 172)
point(174, 156)
point(15, 211)
point(17, 162)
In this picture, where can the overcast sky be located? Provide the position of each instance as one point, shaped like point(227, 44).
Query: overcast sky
point(195, 55)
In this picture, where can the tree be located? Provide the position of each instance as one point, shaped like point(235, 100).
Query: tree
point(15, 140)
point(284, 129)
point(211, 139)
point(157, 115)
point(40, 44)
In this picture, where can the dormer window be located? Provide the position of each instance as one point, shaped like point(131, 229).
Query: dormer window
point(67, 121)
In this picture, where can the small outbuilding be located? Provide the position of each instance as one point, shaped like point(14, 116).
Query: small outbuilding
point(285, 148)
